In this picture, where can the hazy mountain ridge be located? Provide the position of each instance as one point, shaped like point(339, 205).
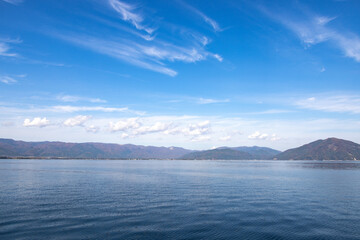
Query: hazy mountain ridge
point(328, 149)
point(12, 148)
point(257, 152)
point(235, 153)
point(223, 153)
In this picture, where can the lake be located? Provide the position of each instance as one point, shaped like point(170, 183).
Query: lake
point(159, 199)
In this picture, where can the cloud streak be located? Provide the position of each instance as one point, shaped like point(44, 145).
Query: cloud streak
point(210, 100)
point(70, 98)
point(138, 45)
point(340, 103)
point(86, 109)
point(149, 56)
point(5, 47)
point(312, 29)
point(214, 25)
point(7, 80)
point(14, 2)
point(127, 13)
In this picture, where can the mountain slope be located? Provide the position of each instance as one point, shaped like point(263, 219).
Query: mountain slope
point(259, 152)
point(12, 148)
point(224, 153)
point(328, 149)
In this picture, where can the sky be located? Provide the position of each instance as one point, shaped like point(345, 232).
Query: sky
point(195, 74)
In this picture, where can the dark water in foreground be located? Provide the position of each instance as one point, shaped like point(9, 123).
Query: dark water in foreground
point(97, 199)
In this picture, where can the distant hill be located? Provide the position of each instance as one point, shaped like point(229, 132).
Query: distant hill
point(12, 148)
point(220, 153)
point(328, 149)
point(260, 153)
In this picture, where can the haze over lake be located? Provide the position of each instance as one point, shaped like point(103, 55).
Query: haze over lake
point(121, 199)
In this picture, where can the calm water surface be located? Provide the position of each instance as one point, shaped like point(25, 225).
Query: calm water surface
point(100, 199)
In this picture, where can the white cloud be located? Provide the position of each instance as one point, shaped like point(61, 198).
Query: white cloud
point(340, 103)
point(218, 57)
point(36, 122)
point(157, 127)
point(263, 136)
point(76, 121)
point(322, 69)
point(11, 79)
point(196, 130)
point(274, 137)
point(181, 44)
point(133, 127)
point(209, 100)
point(306, 130)
point(125, 135)
point(124, 125)
point(322, 20)
point(127, 13)
point(207, 19)
point(271, 111)
point(148, 56)
point(127, 51)
point(86, 108)
point(15, 2)
point(7, 80)
point(70, 98)
point(4, 50)
point(92, 129)
point(313, 29)
point(258, 135)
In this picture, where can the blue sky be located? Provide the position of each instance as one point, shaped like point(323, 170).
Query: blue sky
point(196, 74)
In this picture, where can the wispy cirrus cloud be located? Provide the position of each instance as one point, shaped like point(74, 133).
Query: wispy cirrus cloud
point(130, 52)
point(7, 79)
point(313, 29)
point(128, 13)
point(15, 2)
point(71, 98)
point(69, 109)
point(5, 48)
point(339, 103)
point(138, 46)
point(145, 55)
point(20, 109)
point(10, 79)
point(210, 100)
point(199, 100)
point(215, 26)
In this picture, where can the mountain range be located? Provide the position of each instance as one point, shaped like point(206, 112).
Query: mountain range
point(234, 153)
point(12, 148)
point(328, 149)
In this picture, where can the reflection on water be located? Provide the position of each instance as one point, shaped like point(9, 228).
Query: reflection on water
point(343, 165)
point(107, 199)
